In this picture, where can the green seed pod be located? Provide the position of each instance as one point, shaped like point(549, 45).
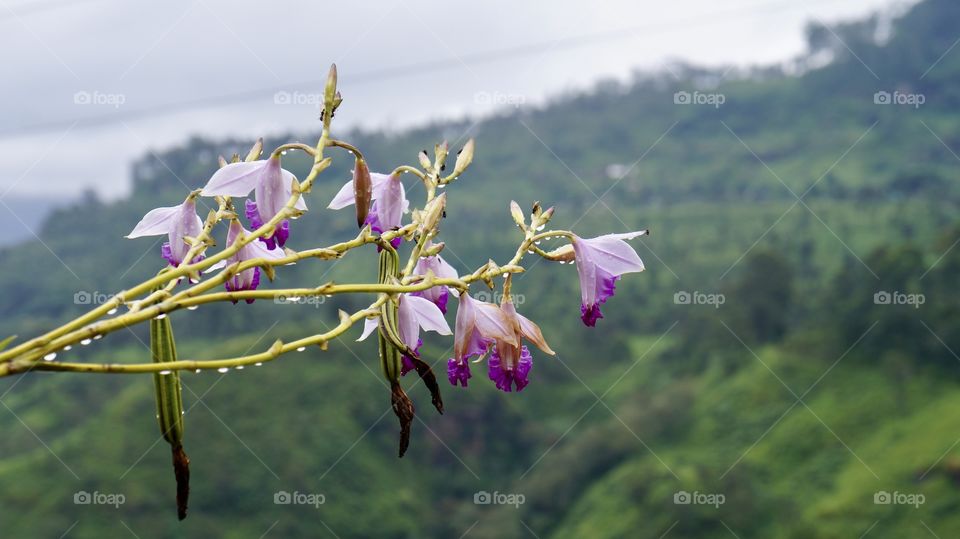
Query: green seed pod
point(170, 406)
point(392, 348)
point(169, 401)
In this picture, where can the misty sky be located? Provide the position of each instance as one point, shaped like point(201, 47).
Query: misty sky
point(79, 75)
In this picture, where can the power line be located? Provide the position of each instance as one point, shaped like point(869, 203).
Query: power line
point(21, 10)
point(395, 72)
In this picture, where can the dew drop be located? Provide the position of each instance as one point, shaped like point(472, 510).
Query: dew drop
point(239, 367)
point(97, 337)
point(164, 373)
point(85, 342)
point(112, 311)
point(223, 370)
point(161, 316)
point(258, 364)
point(67, 347)
point(50, 357)
point(197, 371)
point(301, 349)
point(193, 307)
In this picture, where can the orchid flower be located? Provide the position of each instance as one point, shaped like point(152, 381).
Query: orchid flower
point(249, 278)
point(479, 325)
point(509, 364)
point(600, 262)
point(272, 186)
point(178, 222)
point(413, 313)
point(389, 203)
point(437, 294)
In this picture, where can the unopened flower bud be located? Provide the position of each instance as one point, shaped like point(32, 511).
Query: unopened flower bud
point(561, 254)
point(464, 158)
point(424, 160)
point(433, 249)
point(255, 151)
point(362, 190)
point(517, 215)
point(330, 91)
point(433, 213)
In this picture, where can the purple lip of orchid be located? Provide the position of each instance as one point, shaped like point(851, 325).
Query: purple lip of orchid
point(479, 325)
point(249, 278)
point(438, 294)
point(272, 186)
point(413, 314)
point(389, 203)
point(600, 262)
point(178, 222)
point(510, 364)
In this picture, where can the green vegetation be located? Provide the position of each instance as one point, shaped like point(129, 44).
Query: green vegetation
point(799, 398)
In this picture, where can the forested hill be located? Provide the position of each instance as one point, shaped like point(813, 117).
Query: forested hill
point(803, 194)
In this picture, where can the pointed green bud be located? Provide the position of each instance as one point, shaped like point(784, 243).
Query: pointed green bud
point(561, 254)
point(255, 151)
point(517, 215)
point(425, 160)
point(432, 214)
point(434, 249)
point(464, 158)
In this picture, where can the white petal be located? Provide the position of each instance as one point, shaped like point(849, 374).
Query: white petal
point(344, 197)
point(219, 265)
point(408, 323)
point(369, 326)
point(235, 179)
point(257, 249)
point(156, 222)
point(444, 270)
point(428, 315)
point(288, 179)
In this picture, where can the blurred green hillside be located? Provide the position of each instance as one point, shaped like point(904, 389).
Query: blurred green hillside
point(800, 201)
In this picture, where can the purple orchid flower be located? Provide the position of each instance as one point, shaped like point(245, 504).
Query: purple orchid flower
point(510, 364)
point(249, 278)
point(437, 294)
point(413, 313)
point(389, 203)
point(272, 186)
point(479, 325)
point(600, 262)
point(178, 222)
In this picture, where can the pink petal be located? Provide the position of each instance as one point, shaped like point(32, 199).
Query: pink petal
point(613, 254)
point(493, 323)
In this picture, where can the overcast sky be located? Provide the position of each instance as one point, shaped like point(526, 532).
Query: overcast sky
point(79, 75)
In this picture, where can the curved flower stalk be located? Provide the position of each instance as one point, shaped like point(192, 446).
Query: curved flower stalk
point(410, 298)
point(272, 187)
point(600, 262)
point(179, 223)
